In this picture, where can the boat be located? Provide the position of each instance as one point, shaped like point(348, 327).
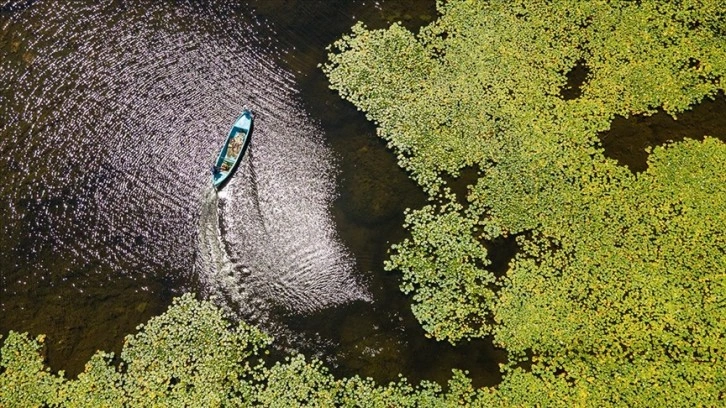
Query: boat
point(233, 150)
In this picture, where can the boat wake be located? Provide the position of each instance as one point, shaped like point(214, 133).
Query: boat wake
point(108, 126)
point(267, 241)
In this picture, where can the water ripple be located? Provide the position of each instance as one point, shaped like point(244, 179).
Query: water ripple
point(110, 119)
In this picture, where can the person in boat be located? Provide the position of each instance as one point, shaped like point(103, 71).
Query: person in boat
point(215, 169)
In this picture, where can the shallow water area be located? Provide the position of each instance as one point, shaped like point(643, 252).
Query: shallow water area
point(111, 118)
point(111, 115)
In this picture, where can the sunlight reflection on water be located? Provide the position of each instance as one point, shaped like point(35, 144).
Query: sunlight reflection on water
point(268, 238)
point(111, 116)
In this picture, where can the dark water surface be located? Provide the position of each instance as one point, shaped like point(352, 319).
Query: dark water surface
point(110, 113)
point(628, 138)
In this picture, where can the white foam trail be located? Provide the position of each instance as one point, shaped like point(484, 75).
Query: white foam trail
point(125, 108)
point(269, 237)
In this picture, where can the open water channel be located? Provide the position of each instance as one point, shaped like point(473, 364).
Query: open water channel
point(110, 114)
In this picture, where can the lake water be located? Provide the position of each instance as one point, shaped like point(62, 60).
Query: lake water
point(110, 115)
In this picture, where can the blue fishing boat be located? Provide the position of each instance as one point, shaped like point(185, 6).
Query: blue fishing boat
point(233, 150)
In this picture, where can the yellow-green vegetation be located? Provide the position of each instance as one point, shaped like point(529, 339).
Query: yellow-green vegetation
point(618, 293)
point(191, 356)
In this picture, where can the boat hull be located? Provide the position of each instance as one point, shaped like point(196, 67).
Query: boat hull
point(233, 150)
